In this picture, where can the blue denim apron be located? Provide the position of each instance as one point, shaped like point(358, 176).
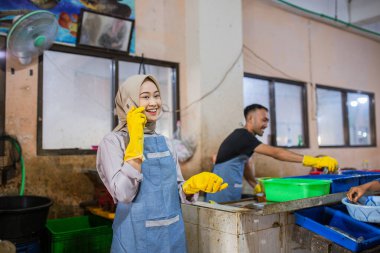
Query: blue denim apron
point(232, 173)
point(153, 221)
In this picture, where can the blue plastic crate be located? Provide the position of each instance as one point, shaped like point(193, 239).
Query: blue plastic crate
point(339, 227)
point(364, 176)
point(368, 178)
point(339, 183)
point(359, 172)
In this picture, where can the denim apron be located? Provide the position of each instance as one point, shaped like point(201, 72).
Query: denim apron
point(153, 221)
point(232, 173)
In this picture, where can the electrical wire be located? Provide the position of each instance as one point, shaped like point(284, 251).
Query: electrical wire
point(270, 65)
point(213, 89)
point(226, 74)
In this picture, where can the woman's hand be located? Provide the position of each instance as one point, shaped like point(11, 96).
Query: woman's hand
point(204, 181)
point(136, 121)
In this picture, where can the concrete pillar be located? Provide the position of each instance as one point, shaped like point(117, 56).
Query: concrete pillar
point(214, 76)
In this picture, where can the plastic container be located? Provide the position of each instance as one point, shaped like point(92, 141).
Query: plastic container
point(315, 172)
point(365, 176)
point(84, 234)
point(28, 247)
point(286, 189)
point(339, 227)
point(260, 180)
point(23, 218)
point(339, 183)
point(368, 178)
point(367, 209)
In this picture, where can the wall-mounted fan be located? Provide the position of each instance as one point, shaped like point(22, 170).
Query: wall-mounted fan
point(30, 34)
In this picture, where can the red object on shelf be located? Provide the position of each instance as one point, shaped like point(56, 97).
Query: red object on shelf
point(315, 172)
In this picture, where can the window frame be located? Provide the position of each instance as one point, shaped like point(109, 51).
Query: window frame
point(115, 57)
point(346, 127)
point(272, 111)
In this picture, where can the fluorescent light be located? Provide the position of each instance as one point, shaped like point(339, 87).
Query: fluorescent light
point(362, 100)
point(354, 103)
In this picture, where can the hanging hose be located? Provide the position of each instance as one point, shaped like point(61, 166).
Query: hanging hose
point(17, 146)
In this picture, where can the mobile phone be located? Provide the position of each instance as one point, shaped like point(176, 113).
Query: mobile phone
point(131, 103)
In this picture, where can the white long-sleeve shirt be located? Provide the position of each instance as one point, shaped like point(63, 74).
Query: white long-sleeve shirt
point(120, 178)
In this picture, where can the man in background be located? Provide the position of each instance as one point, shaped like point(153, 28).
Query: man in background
point(231, 161)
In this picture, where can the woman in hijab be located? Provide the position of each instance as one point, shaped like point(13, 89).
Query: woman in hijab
point(141, 171)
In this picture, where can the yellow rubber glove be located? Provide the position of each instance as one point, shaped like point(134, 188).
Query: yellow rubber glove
point(320, 162)
point(257, 189)
point(204, 181)
point(136, 121)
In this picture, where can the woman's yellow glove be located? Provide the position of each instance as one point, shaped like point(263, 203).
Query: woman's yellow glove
point(204, 181)
point(136, 121)
point(320, 162)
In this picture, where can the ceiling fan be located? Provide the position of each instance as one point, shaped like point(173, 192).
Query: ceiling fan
point(30, 34)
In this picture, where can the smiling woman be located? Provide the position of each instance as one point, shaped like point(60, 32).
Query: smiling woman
point(132, 151)
point(150, 208)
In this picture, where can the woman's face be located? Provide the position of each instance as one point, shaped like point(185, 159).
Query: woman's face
point(150, 99)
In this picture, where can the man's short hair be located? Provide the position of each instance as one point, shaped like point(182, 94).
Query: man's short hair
point(253, 107)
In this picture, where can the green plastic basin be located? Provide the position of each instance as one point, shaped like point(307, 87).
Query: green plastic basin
point(286, 189)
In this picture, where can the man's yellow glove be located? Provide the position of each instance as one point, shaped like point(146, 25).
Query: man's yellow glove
point(320, 162)
point(257, 189)
point(136, 121)
point(204, 181)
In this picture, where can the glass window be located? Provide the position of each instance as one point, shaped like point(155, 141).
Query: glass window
point(76, 97)
point(286, 104)
point(256, 91)
point(77, 100)
point(345, 117)
point(329, 106)
point(358, 110)
point(289, 115)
